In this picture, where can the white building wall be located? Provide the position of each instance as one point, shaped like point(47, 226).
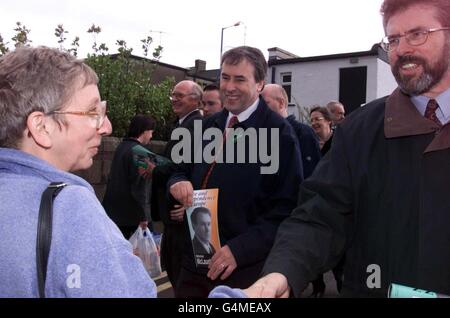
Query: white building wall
point(372, 71)
point(386, 81)
point(317, 82)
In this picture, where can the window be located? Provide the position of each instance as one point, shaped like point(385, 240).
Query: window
point(286, 82)
point(286, 78)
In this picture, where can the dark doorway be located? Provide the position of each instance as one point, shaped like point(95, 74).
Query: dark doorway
point(352, 87)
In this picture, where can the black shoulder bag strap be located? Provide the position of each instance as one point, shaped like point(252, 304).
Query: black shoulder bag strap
point(44, 232)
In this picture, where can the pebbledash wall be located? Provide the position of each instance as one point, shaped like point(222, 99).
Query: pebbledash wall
point(97, 174)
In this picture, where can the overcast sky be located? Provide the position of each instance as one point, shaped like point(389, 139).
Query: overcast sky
point(190, 30)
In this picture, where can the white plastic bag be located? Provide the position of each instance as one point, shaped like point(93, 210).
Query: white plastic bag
point(144, 246)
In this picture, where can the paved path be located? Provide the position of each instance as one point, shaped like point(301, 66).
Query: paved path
point(165, 289)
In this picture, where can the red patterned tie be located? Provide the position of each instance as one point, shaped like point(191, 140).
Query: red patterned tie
point(233, 121)
point(430, 112)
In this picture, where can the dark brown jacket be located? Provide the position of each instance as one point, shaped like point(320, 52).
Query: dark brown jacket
point(382, 195)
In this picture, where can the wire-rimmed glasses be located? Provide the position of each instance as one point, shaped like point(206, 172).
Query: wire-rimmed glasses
point(98, 115)
point(414, 38)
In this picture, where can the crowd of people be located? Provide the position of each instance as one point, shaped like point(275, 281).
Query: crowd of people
point(349, 194)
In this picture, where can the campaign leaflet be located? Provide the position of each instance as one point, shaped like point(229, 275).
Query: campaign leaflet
point(203, 226)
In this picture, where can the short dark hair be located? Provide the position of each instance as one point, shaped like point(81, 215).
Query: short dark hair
point(210, 87)
point(392, 7)
point(253, 55)
point(323, 110)
point(139, 124)
point(197, 212)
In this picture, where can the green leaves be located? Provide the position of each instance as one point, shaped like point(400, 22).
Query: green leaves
point(60, 34)
point(125, 81)
point(3, 46)
point(21, 37)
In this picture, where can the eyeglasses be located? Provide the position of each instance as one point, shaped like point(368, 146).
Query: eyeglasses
point(313, 120)
point(179, 96)
point(414, 38)
point(99, 115)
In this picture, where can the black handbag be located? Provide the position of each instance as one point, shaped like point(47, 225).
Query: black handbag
point(44, 232)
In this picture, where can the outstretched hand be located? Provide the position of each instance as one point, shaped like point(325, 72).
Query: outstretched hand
point(273, 285)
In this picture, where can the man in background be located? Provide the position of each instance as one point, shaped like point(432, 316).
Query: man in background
point(277, 100)
point(211, 100)
point(186, 100)
point(337, 111)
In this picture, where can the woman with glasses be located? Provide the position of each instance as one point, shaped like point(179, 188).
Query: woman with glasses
point(321, 122)
point(52, 123)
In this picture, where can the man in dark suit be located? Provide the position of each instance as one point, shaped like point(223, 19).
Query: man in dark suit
point(186, 97)
point(251, 202)
point(201, 224)
point(212, 103)
point(337, 111)
point(277, 100)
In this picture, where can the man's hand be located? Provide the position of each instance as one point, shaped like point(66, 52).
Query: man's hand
point(183, 192)
point(222, 262)
point(273, 285)
point(177, 213)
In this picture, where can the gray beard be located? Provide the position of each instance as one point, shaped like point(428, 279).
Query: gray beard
point(417, 87)
point(430, 77)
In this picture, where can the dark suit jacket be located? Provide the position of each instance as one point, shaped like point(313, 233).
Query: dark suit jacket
point(326, 146)
point(251, 205)
point(188, 123)
point(309, 145)
point(199, 249)
point(160, 206)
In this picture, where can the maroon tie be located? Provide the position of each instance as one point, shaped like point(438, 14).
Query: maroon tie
point(233, 121)
point(430, 112)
